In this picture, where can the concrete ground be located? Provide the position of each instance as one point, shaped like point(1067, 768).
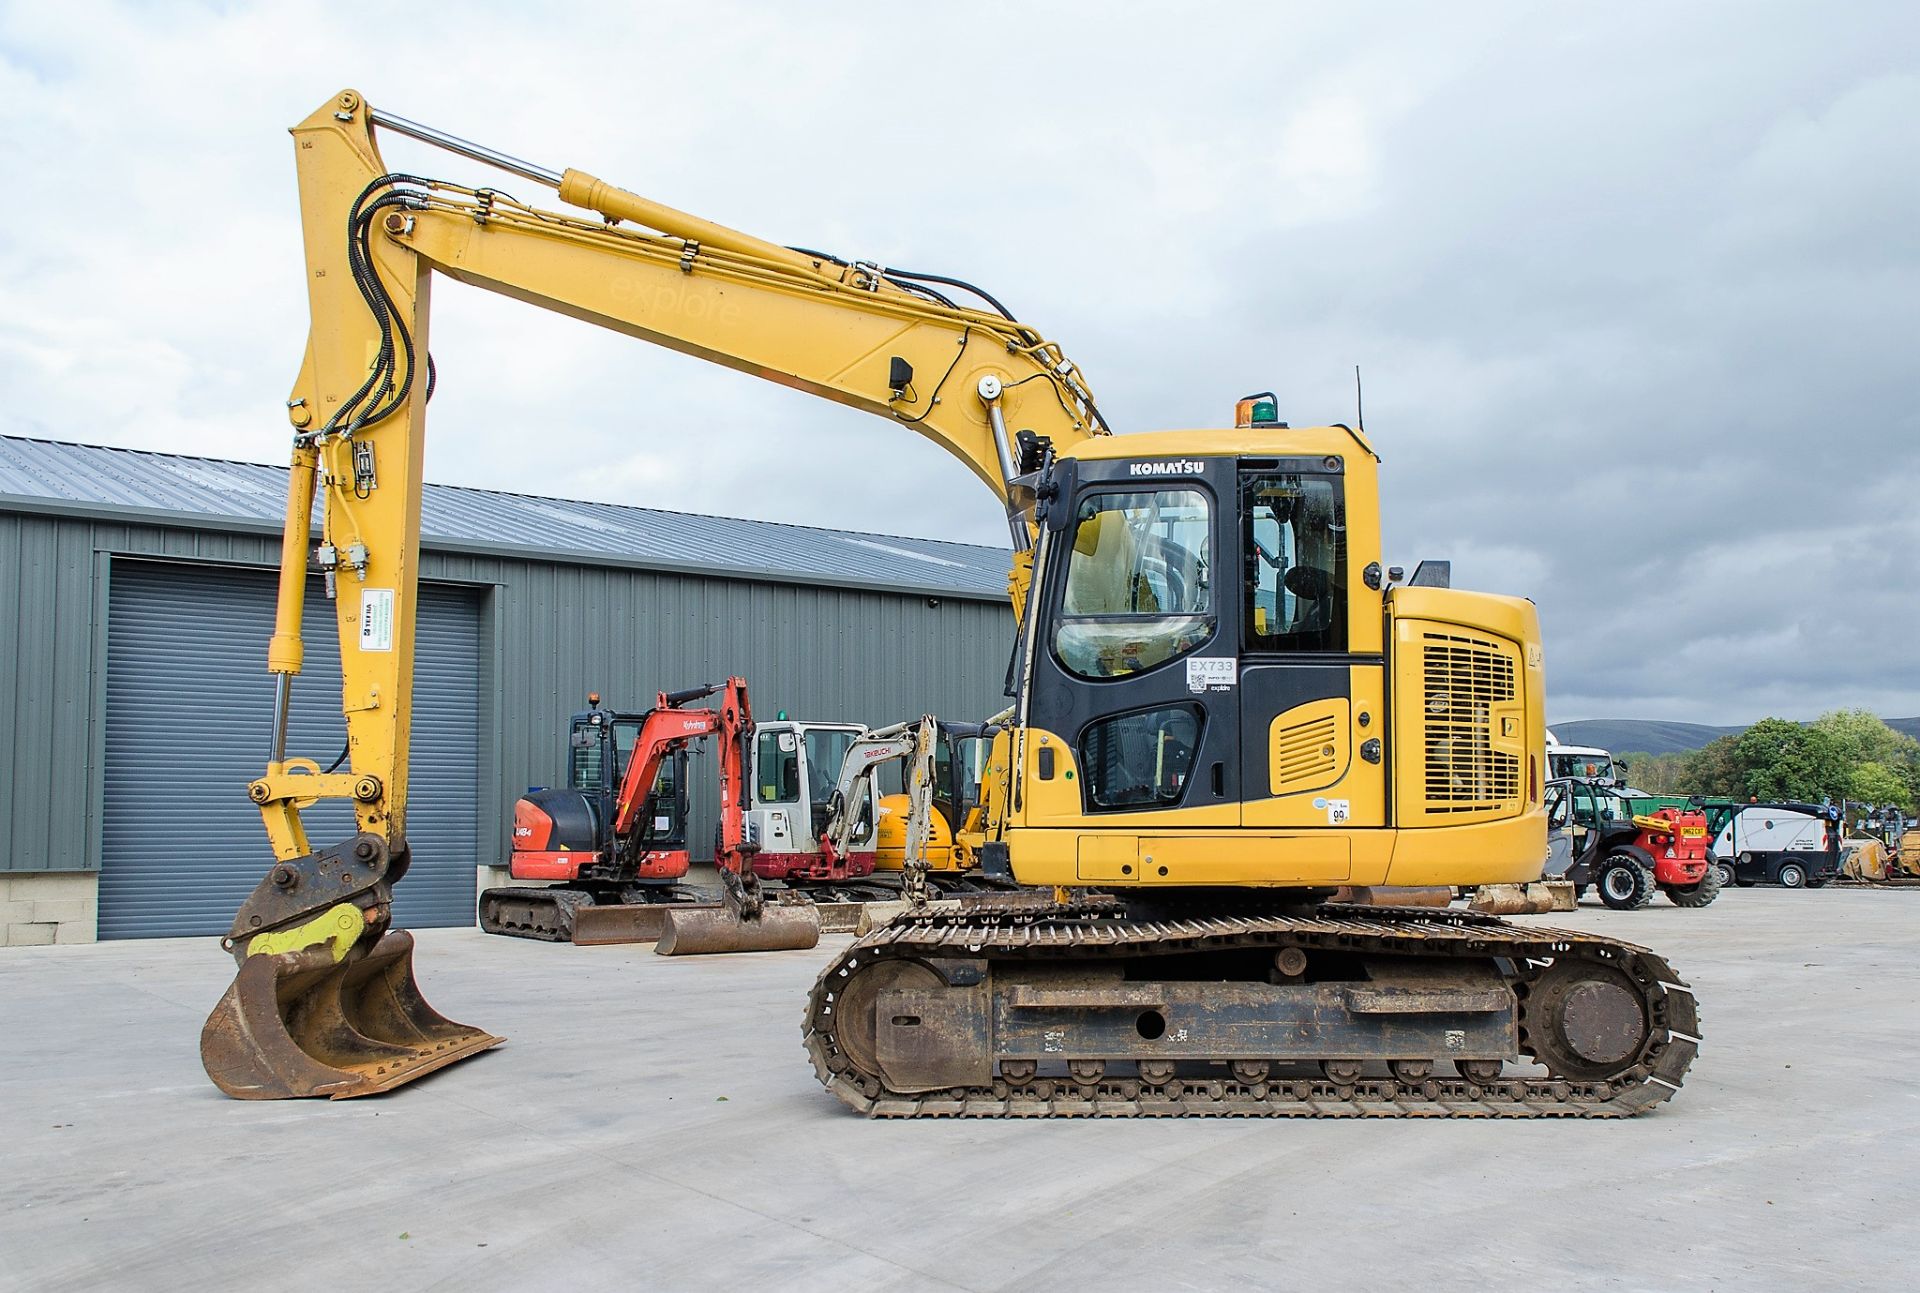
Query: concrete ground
point(652, 1122)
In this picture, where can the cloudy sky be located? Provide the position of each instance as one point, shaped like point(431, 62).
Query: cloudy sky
point(1636, 287)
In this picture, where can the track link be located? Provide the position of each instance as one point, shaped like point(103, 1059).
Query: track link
point(1062, 935)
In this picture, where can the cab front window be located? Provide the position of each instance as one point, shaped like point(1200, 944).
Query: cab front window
point(1139, 584)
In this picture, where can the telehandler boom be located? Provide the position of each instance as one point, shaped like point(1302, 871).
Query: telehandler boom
point(1224, 708)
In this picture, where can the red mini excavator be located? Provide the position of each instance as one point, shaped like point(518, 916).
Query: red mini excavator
point(557, 833)
point(608, 853)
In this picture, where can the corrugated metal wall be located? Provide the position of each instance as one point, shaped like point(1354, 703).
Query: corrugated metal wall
point(46, 615)
point(189, 720)
point(814, 652)
point(550, 634)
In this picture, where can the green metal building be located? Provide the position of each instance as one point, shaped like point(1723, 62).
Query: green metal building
point(136, 599)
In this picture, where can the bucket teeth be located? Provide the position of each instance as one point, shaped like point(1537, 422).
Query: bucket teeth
point(296, 1024)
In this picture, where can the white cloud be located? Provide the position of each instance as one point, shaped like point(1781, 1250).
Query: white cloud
point(1635, 287)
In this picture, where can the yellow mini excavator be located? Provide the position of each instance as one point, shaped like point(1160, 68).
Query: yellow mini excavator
point(1225, 709)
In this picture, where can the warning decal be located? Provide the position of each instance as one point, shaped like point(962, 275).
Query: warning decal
point(376, 619)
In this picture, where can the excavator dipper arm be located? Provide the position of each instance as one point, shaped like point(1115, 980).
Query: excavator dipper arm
point(853, 792)
point(667, 726)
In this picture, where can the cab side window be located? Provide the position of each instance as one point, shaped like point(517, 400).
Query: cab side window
point(1559, 808)
point(777, 760)
point(1294, 537)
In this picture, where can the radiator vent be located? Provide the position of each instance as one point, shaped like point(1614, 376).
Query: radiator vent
point(1465, 678)
point(1306, 754)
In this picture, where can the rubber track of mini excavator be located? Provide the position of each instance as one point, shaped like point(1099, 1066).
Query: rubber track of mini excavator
point(1661, 1067)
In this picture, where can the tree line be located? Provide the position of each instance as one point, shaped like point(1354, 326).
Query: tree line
point(1847, 754)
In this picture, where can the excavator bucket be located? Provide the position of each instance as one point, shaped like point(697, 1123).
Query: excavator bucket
point(700, 929)
point(1394, 895)
point(301, 1024)
point(1534, 899)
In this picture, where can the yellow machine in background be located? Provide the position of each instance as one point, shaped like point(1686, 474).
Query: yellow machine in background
point(958, 772)
point(1225, 709)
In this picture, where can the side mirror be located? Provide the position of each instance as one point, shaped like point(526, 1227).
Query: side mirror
point(581, 739)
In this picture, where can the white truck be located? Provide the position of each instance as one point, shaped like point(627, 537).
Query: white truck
point(1581, 762)
point(1796, 846)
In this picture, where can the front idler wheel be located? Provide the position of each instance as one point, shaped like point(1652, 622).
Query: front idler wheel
point(856, 1022)
point(1585, 1021)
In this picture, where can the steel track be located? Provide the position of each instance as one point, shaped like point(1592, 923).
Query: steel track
point(1653, 1077)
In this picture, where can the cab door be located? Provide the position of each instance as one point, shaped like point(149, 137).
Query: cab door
point(1312, 674)
point(1133, 709)
point(776, 787)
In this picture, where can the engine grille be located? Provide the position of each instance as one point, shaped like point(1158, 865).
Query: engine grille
point(1306, 755)
point(1465, 678)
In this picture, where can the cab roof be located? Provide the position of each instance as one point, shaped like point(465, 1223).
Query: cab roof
point(1227, 442)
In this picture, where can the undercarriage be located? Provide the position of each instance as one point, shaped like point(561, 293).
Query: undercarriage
point(1311, 1011)
point(551, 914)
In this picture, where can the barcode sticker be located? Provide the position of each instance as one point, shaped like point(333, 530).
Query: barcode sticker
point(1211, 673)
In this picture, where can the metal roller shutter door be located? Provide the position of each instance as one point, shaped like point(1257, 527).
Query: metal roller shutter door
point(189, 717)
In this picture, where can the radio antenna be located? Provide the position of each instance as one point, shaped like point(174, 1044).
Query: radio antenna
point(1359, 405)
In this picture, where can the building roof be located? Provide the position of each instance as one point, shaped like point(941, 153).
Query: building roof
point(216, 493)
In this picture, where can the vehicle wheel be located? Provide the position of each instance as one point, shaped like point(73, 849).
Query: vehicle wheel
point(1696, 895)
point(1626, 880)
point(1723, 869)
point(1791, 876)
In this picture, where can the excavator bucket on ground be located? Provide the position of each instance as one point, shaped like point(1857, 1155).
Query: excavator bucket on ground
point(1534, 899)
point(679, 929)
point(703, 929)
point(325, 1003)
point(299, 1024)
point(1428, 895)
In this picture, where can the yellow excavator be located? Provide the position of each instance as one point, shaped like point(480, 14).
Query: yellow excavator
point(1225, 709)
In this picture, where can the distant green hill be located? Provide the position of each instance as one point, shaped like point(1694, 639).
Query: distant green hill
point(1651, 736)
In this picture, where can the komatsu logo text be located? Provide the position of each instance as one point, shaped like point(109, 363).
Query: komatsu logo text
point(1175, 467)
